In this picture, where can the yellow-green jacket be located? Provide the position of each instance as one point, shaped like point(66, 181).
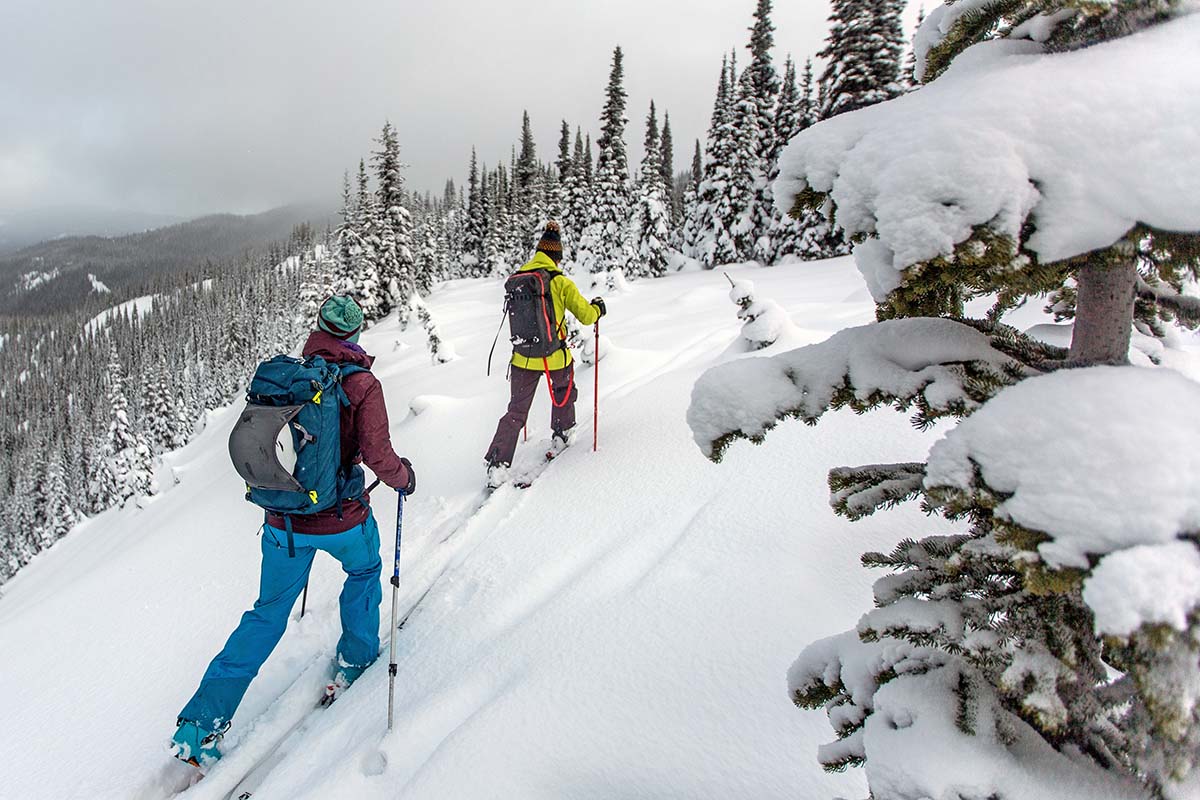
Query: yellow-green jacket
point(566, 297)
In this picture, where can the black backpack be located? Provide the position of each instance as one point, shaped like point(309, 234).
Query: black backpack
point(531, 319)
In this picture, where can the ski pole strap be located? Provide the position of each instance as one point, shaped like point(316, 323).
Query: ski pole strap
point(371, 488)
point(492, 352)
point(550, 382)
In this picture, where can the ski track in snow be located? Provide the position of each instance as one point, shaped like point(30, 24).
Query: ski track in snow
point(622, 628)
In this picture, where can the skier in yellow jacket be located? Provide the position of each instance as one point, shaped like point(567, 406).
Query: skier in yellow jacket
point(527, 319)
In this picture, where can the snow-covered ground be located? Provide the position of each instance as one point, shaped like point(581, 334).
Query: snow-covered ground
point(139, 305)
point(622, 629)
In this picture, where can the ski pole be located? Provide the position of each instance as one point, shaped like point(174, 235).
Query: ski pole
point(395, 593)
point(304, 600)
point(596, 394)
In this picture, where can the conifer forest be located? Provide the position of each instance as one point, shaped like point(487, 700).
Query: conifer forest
point(739, 572)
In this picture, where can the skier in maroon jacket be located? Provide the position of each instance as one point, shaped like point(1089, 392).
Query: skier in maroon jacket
point(351, 536)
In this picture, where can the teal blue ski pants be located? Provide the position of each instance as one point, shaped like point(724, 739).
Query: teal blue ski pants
point(283, 578)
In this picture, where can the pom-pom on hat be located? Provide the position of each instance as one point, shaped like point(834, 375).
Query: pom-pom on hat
point(340, 316)
point(551, 241)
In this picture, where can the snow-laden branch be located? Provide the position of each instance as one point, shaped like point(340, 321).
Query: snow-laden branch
point(941, 366)
point(857, 492)
point(1185, 308)
point(1011, 137)
point(1098, 460)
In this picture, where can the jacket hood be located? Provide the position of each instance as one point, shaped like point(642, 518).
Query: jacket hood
point(540, 261)
point(336, 350)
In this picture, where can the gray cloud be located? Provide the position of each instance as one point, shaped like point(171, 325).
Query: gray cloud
point(192, 106)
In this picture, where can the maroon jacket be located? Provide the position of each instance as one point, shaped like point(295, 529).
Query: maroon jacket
point(365, 436)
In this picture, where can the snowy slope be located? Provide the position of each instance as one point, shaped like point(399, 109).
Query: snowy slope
point(620, 629)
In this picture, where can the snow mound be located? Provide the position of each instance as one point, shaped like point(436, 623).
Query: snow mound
point(1010, 134)
point(1100, 459)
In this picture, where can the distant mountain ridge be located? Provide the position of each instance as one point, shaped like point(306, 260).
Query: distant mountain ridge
point(53, 276)
point(24, 228)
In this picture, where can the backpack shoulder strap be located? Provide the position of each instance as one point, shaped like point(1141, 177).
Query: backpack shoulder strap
point(351, 369)
point(345, 371)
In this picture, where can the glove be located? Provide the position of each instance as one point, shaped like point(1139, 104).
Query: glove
point(411, 487)
point(598, 302)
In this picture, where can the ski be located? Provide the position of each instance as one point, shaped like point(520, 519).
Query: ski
point(254, 777)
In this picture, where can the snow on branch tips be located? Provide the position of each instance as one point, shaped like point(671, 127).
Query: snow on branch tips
point(1069, 455)
point(996, 177)
point(943, 367)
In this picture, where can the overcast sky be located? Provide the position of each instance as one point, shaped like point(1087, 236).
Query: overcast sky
point(194, 106)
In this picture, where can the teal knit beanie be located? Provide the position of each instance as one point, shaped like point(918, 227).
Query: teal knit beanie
point(341, 317)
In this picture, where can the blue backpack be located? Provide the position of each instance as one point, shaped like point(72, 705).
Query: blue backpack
point(287, 445)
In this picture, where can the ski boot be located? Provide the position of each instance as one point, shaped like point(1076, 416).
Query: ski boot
point(497, 474)
point(560, 441)
point(342, 679)
point(196, 745)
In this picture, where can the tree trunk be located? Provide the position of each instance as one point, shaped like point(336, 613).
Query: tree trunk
point(1104, 308)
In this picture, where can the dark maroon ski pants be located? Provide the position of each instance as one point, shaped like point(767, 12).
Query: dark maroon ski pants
point(523, 383)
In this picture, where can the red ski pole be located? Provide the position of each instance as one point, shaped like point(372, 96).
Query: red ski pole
point(596, 394)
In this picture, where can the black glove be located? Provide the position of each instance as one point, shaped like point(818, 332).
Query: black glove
point(598, 302)
point(412, 478)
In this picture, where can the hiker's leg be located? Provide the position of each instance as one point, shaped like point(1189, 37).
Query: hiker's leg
point(565, 392)
point(358, 551)
point(523, 384)
point(229, 675)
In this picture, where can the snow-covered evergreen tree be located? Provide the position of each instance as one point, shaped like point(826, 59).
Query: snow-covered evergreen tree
point(759, 102)
point(349, 248)
point(863, 55)
point(747, 176)
point(429, 264)
point(528, 189)
point(475, 229)
point(364, 281)
point(59, 514)
point(667, 166)
point(651, 216)
point(127, 470)
point(687, 235)
point(710, 227)
point(578, 192)
point(1032, 630)
point(394, 258)
point(560, 206)
point(809, 109)
point(808, 236)
point(604, 246)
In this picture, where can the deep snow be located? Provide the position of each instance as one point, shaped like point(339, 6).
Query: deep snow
point(621, 629)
